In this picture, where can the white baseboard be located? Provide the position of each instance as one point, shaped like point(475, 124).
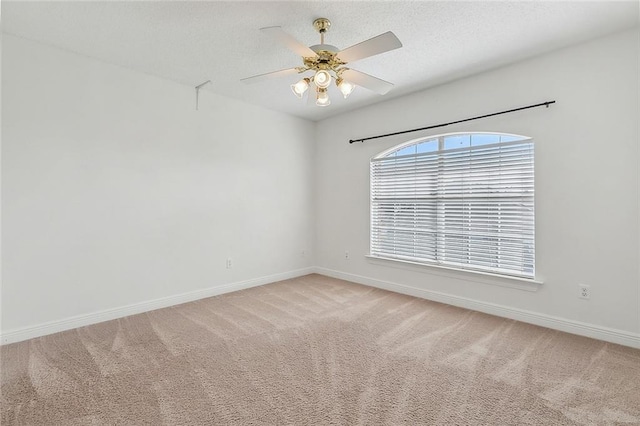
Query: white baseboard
point(26, 333)
point(575, 327)
point(562, 324)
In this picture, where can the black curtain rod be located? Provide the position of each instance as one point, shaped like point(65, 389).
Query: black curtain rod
point(546, 104)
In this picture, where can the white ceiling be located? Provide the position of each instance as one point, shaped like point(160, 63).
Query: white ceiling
point(191, 42)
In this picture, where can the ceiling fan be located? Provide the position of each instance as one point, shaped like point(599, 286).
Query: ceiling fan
point(329, 63)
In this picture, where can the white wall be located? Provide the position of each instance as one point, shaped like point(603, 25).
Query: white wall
point(586, 180)
point(115, 191)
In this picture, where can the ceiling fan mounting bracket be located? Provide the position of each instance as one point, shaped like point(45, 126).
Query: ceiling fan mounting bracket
point(322, 25)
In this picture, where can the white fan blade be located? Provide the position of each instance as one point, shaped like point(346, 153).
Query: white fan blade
point(367, 81)
point(268, 76)
point(289, 42)
point(374, 46)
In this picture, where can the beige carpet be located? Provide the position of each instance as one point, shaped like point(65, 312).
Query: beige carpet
point(318, 351)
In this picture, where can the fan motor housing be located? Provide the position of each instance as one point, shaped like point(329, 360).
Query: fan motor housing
point(326, 59)
point(320, 48)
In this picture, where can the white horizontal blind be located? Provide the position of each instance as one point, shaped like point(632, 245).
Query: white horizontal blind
point(469, 208)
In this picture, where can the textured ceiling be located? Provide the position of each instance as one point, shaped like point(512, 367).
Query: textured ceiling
point(191, 42)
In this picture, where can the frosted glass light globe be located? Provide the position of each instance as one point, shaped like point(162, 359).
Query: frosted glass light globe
point(322, 79)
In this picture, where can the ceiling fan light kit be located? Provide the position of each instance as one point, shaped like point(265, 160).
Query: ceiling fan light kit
point(345, 87)
point(329, 63)
point(322, 97)
point(300, 87)
point(322, 79)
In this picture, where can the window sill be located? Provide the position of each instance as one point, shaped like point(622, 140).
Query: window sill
point(459, 274)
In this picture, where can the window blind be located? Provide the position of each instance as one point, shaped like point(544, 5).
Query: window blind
point(469, 208)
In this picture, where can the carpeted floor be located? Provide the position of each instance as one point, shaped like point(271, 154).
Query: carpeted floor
point(317, 351)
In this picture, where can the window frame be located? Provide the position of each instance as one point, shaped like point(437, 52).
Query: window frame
point(441, 149)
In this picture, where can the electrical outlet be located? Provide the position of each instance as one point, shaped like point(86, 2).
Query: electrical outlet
point(346, 254)
point(229, 263)
point(303, 253)
point(584, 291)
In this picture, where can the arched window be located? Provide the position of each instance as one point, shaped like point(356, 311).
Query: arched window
point(461, 200)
